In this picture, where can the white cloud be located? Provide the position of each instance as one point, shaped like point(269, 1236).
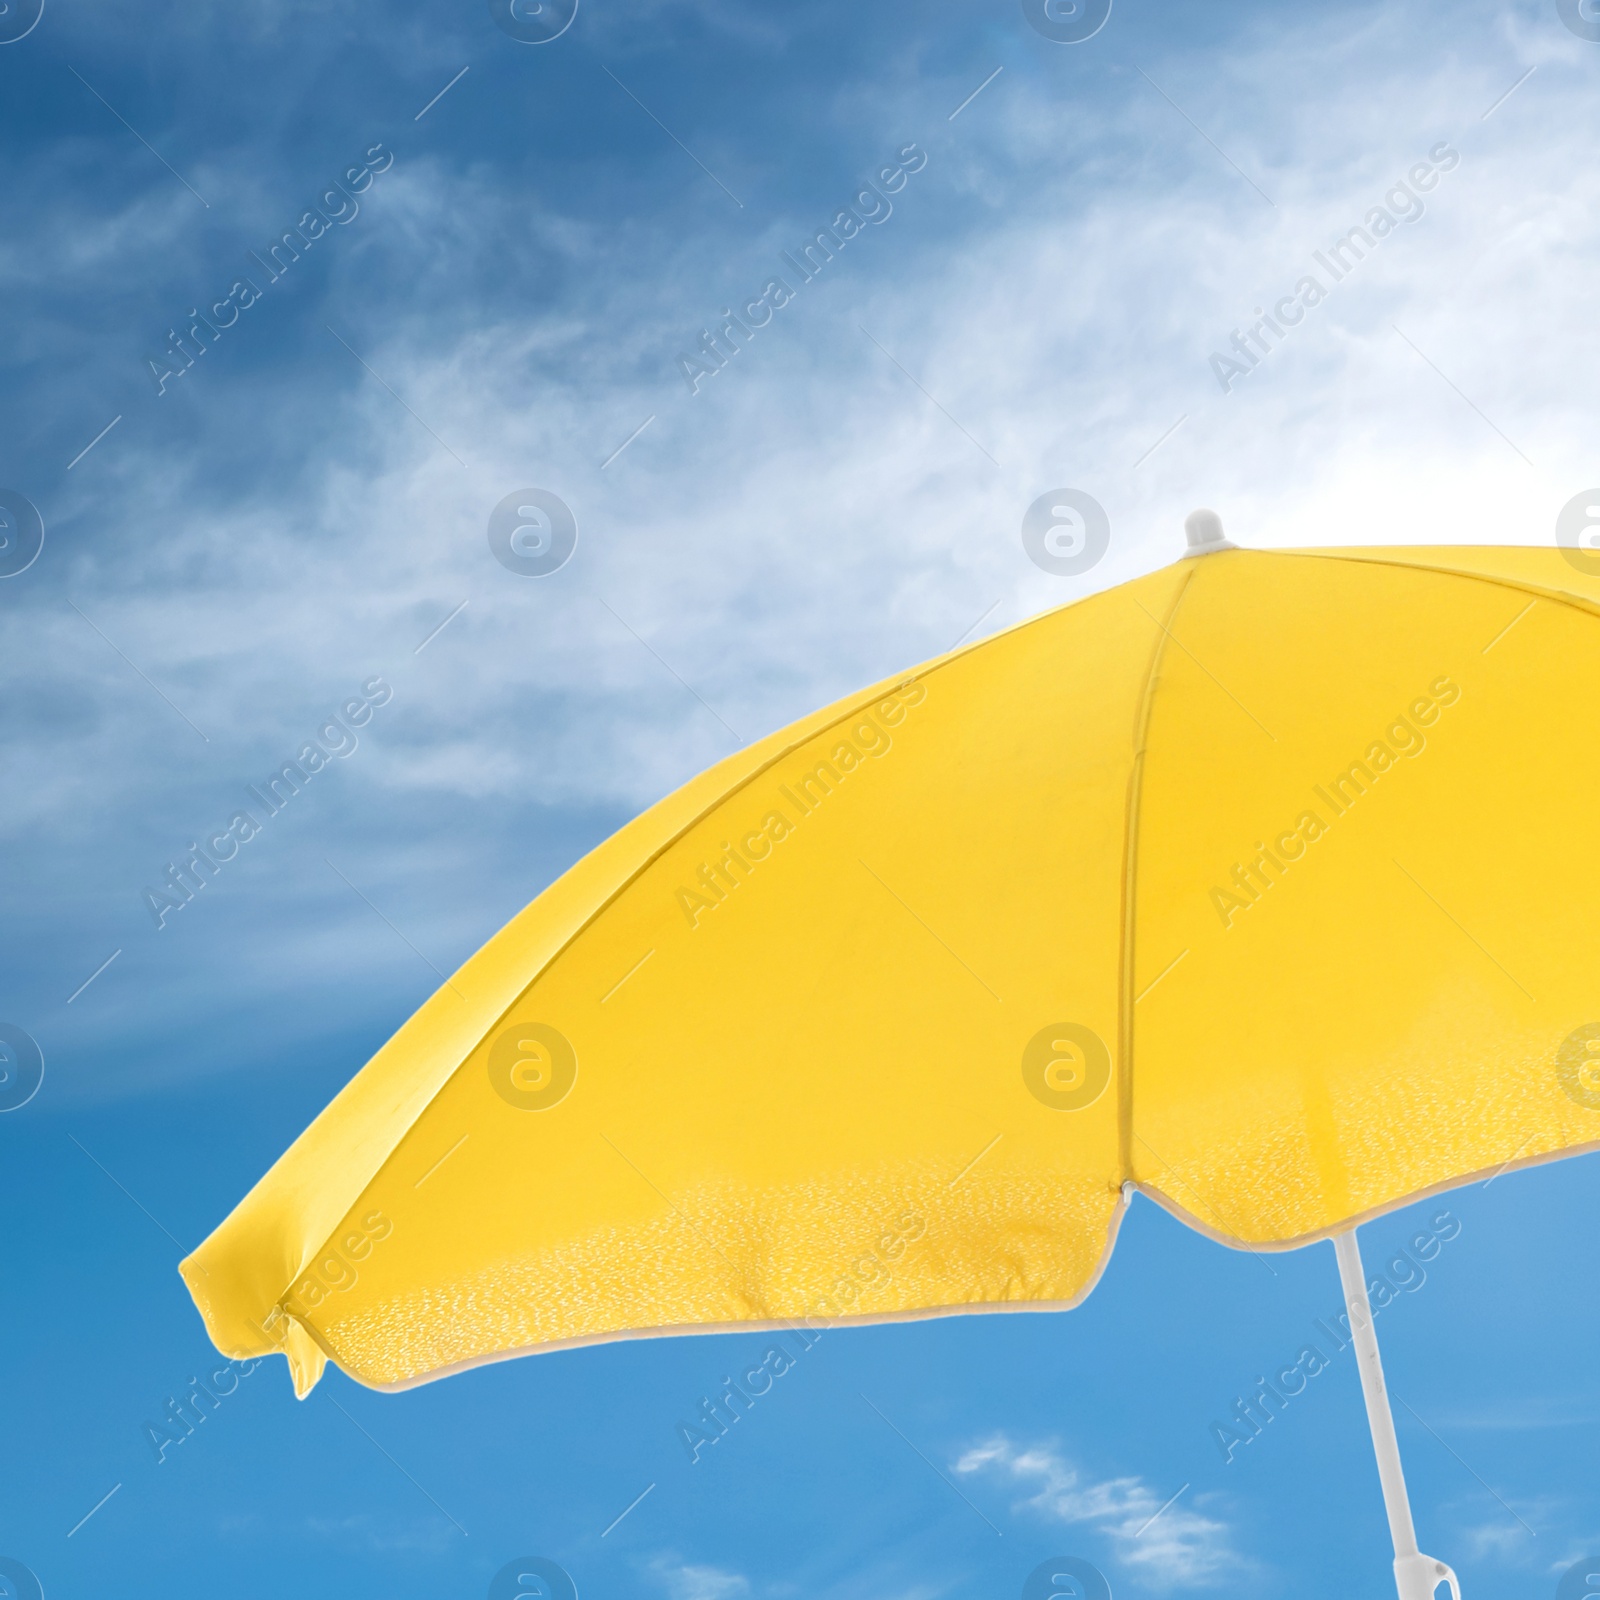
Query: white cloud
point(1500, 1541)
point(810, 521)
point(383, 1534)
point(686, 1581)
point(1175, 1548)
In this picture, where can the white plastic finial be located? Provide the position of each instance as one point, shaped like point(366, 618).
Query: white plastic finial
point(1204, 530)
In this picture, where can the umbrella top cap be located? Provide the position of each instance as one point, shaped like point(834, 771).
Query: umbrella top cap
point(1204, 529)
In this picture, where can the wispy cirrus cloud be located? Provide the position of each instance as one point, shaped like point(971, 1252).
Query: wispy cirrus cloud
point(1169, 1546)
point(844, 500)
point(686, 1580)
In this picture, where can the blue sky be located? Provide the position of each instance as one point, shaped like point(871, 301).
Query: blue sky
point(504, 302)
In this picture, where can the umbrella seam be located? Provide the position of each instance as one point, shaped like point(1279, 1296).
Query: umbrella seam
point(1565, 597)
point(858, 702)
point(1125, 1017)
point(1130, 863)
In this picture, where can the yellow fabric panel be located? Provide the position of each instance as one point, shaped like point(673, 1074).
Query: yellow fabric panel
point(1379, 1008)
point(1266, 881)
point(1537, 569)
point(684, 1091)
point(273, 1234)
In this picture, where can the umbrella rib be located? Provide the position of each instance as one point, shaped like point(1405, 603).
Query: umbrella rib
point(857, 704)
point(1128, 909)
point(1494, 580)
point(1209, 673)
point(953, 955)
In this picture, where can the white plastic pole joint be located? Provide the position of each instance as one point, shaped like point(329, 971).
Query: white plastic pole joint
point(1416, 1576)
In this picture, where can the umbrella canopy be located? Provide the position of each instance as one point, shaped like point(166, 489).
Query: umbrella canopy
point(1267, 883)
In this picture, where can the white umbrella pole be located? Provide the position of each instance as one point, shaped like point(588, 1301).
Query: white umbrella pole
point(1416, 1576)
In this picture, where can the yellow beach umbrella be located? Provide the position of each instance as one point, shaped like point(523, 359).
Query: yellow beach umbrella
point(1266, 885)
